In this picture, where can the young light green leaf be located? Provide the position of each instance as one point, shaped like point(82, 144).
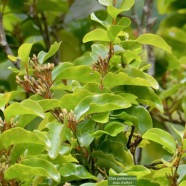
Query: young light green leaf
point(161, 137)
point(24, 52)
point(113, 11)
point(81, 73)
point(106, 2)
point(100, 103)
point(69, 101)
point(104, 23)
point(137, 170)
point(124, 21)
point(70, 171)
point(139, 74)
point(20, 136)
point(127, 5)
point(154, 40)
point(145, 182)
point(112, 32)
point(32, 166)
point(96, 35)
point(43, 56)
point(123, 79)
point(48, 104)
point(27, 106)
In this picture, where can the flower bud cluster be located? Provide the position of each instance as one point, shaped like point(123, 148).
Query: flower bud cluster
point(70, 117)
point(40, 82)
point(101, 66)
point(7, 125)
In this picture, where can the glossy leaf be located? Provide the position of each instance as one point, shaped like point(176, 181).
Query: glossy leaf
point(81, 73)
point(138, 74)
point(83, 132)
point(154, 40)
point(113, 11)
point(96, 35)
point(112, 129)
point(56, 138)
point(43, 56)
point(113, 31)
point(123, 157)
point(106, 160)
point(106, 2)
point(30, 167)
point(123, 79)
point(137, 170)
point(27, 106)
point(161, 137)
point(124, 21)
point(69, 101)
point(145, 182)
point(20, 136)
point(101, 117)
point(24, 52)
point(71, 171)
point(100, 103)
point(48, 104)
point(146, 96)
point(104, 23)
point(57, 70)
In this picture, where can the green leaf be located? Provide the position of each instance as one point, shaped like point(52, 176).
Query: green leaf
point(124, 22)
point(183, 183)
point(81, 73)
point(43, 56)
point(113, 31)
point(32, 166)
point(124, 158)
point(145, 182)
point(69, 101)
point(154, 40)
point(24, 52)
point(83, 132)
point(137, 170)
point(184, 106)
point(70, 172)
point(123, 79)
point(20, 136)
point(106, 160)
point(106, 2)
point(112, 129)
point(113, 11)
point(62, 66)
point(101, 117)
point(27, 106)
point(104, 23)
point(146, 96)
point(96, 35)
point(139, 74)
point(100, 103)
point(48, 104)
point(163, 138)
point(126, 4)
point(143, 117)
point(56, 138)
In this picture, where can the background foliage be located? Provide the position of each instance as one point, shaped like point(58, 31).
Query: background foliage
point(79, 102)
